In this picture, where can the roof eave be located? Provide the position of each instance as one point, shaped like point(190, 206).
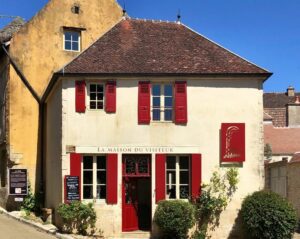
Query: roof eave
point(264, 75)
point(56, 76)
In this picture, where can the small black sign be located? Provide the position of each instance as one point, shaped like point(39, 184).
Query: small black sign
point(18, 182)
point(72, 188)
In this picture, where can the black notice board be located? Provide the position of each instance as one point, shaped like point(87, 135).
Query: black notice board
point(72, 188)
point(18, 182)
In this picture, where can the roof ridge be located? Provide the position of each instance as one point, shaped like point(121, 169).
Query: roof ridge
point(151, 20)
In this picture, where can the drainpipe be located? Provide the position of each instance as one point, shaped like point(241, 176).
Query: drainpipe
point(41, 111)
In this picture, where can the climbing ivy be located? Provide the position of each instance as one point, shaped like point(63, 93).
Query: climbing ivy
point(214, 198)
point(268, 151)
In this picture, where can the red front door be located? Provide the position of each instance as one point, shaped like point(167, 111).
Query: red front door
point(130, 205)
point(136, 196)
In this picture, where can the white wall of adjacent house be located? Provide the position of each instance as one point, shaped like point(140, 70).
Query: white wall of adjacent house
point(211, 101)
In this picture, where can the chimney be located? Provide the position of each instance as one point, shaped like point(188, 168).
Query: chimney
point(294, 112)
point(291, 91)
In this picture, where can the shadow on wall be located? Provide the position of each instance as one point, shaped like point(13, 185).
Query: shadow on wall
point(237, 231)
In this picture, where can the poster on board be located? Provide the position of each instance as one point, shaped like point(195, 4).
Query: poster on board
point(18, 182)
point(72, 192)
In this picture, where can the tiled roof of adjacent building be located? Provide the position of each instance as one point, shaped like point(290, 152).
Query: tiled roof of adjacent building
point(7, 32)
point(154, 47)
point(279, 116)
point(282, 140)
point(278, 100)
point(295, 158)
point(267, 116)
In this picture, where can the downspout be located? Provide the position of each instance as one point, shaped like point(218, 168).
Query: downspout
point(41, 111)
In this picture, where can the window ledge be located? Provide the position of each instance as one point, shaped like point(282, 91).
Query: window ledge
point(161, 122)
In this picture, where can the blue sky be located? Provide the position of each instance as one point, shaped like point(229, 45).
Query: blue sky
point(265, 32)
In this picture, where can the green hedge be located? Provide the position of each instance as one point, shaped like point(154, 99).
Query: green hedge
point(77, 216)
point(266, 215)
point(174, 218)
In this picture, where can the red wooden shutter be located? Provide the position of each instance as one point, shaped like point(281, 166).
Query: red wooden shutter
point(160, 177)
point(80, 96)
point(144, 103)
point(112, 179)
point(75, 167)
point(110, 97)
point(180, 103)
point(196, 175)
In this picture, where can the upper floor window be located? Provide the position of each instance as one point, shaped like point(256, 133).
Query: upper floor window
point(72, 40)
point(162, 102)
point(94, 177)
point(96, 96)
point(178, 177)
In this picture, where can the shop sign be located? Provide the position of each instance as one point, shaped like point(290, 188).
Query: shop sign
point(139, 149)
point(233, 142)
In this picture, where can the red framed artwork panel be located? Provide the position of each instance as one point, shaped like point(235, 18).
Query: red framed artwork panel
point(233, 142)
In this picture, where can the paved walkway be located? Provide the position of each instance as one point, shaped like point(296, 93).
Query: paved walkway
point(296, 236)
point(13, 229)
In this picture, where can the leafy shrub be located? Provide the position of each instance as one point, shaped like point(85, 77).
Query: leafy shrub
point(32, 202)
point(268, 215)
point(77, 216)
point(174, 218)
point(199, 235)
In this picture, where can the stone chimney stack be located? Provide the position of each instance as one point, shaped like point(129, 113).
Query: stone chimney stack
point(291, 91)
point(294, 111)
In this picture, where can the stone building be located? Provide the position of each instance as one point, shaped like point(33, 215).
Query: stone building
point(282, 134)
point(147, 113)
point(29, 55)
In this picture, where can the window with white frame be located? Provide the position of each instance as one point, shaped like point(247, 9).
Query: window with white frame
point(72, 40)
point(177, 177)
point(94, 177)
point(96, 96)
point(162, 102)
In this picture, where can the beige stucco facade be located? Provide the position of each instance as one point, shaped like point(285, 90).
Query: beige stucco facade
point(38, 51)
point(211, 101)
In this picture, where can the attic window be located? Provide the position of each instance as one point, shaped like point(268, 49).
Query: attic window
point(75, 9)
point(72, 40)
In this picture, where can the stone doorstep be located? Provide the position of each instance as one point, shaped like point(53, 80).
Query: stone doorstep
point(47, 228)
point(133, 235)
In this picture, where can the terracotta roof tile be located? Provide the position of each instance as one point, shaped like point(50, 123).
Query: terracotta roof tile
point(279, 116)
point(7, 32)
point(278, 100)
point(267, 116)
point(282, 140)
point(295, 158)
point(152, 47)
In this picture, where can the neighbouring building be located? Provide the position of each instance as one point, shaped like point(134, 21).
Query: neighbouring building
point(29, 54)
point(147, 113)
point(282, 135)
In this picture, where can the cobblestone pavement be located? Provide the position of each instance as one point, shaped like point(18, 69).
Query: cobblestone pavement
point(13, 229)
